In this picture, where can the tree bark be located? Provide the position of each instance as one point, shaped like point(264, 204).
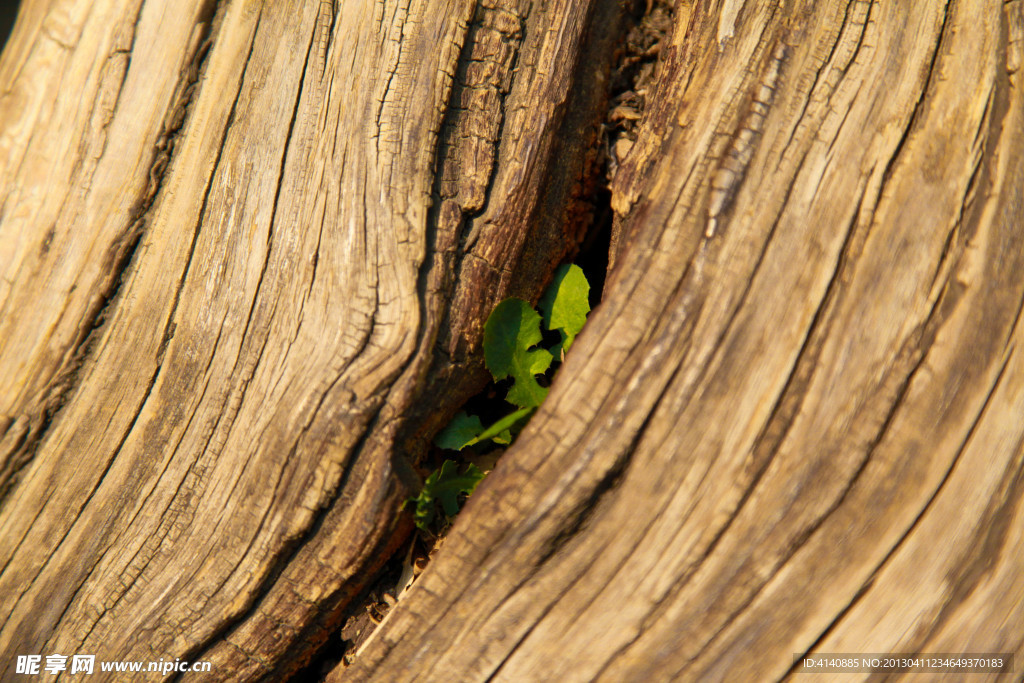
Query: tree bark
point(248, 249)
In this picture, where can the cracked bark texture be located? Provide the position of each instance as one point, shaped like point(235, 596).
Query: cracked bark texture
point(225, 277)
point(247, 248)
point(794, 423)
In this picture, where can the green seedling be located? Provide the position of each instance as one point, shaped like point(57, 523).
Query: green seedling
point(443, 487)
point(512, 334)
point(512, 337)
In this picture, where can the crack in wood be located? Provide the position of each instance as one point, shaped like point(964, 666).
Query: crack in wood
point(324, 33)
point(907, 534)
point(472, 131)
point(402, 16)
point(928, 85)
point(732, 170)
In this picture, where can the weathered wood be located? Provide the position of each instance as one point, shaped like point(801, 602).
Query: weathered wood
point(83, 149)
point(229, 238)
point(793, 425)
point(247, 249)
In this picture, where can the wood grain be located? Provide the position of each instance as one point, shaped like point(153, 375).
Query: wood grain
point(202, 440)
point(247, 248)
point(79, 174)
point(798, 434)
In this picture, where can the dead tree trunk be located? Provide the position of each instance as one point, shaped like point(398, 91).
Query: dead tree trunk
point(247, 248)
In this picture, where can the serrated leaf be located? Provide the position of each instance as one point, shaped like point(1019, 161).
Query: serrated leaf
point(509, 333)
point(462, 431)
point(449, 484)
point(444, 486)
point(565, 303)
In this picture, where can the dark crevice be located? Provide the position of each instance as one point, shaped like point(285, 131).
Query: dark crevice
point(590, 209)
point(8, 13)
point(558, 224)
point(439, 259)
point(719, 344)
point(592, 257)
point(633, 38)
point(646, 27)
point(357, 625)
point(578, 519)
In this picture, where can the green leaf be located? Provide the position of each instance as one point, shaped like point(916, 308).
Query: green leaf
point(565, 303)
point(449, 484)
point(444, 486)
point(462, 431)
point(467, 430)
point(510, 332)
point(499, 431)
